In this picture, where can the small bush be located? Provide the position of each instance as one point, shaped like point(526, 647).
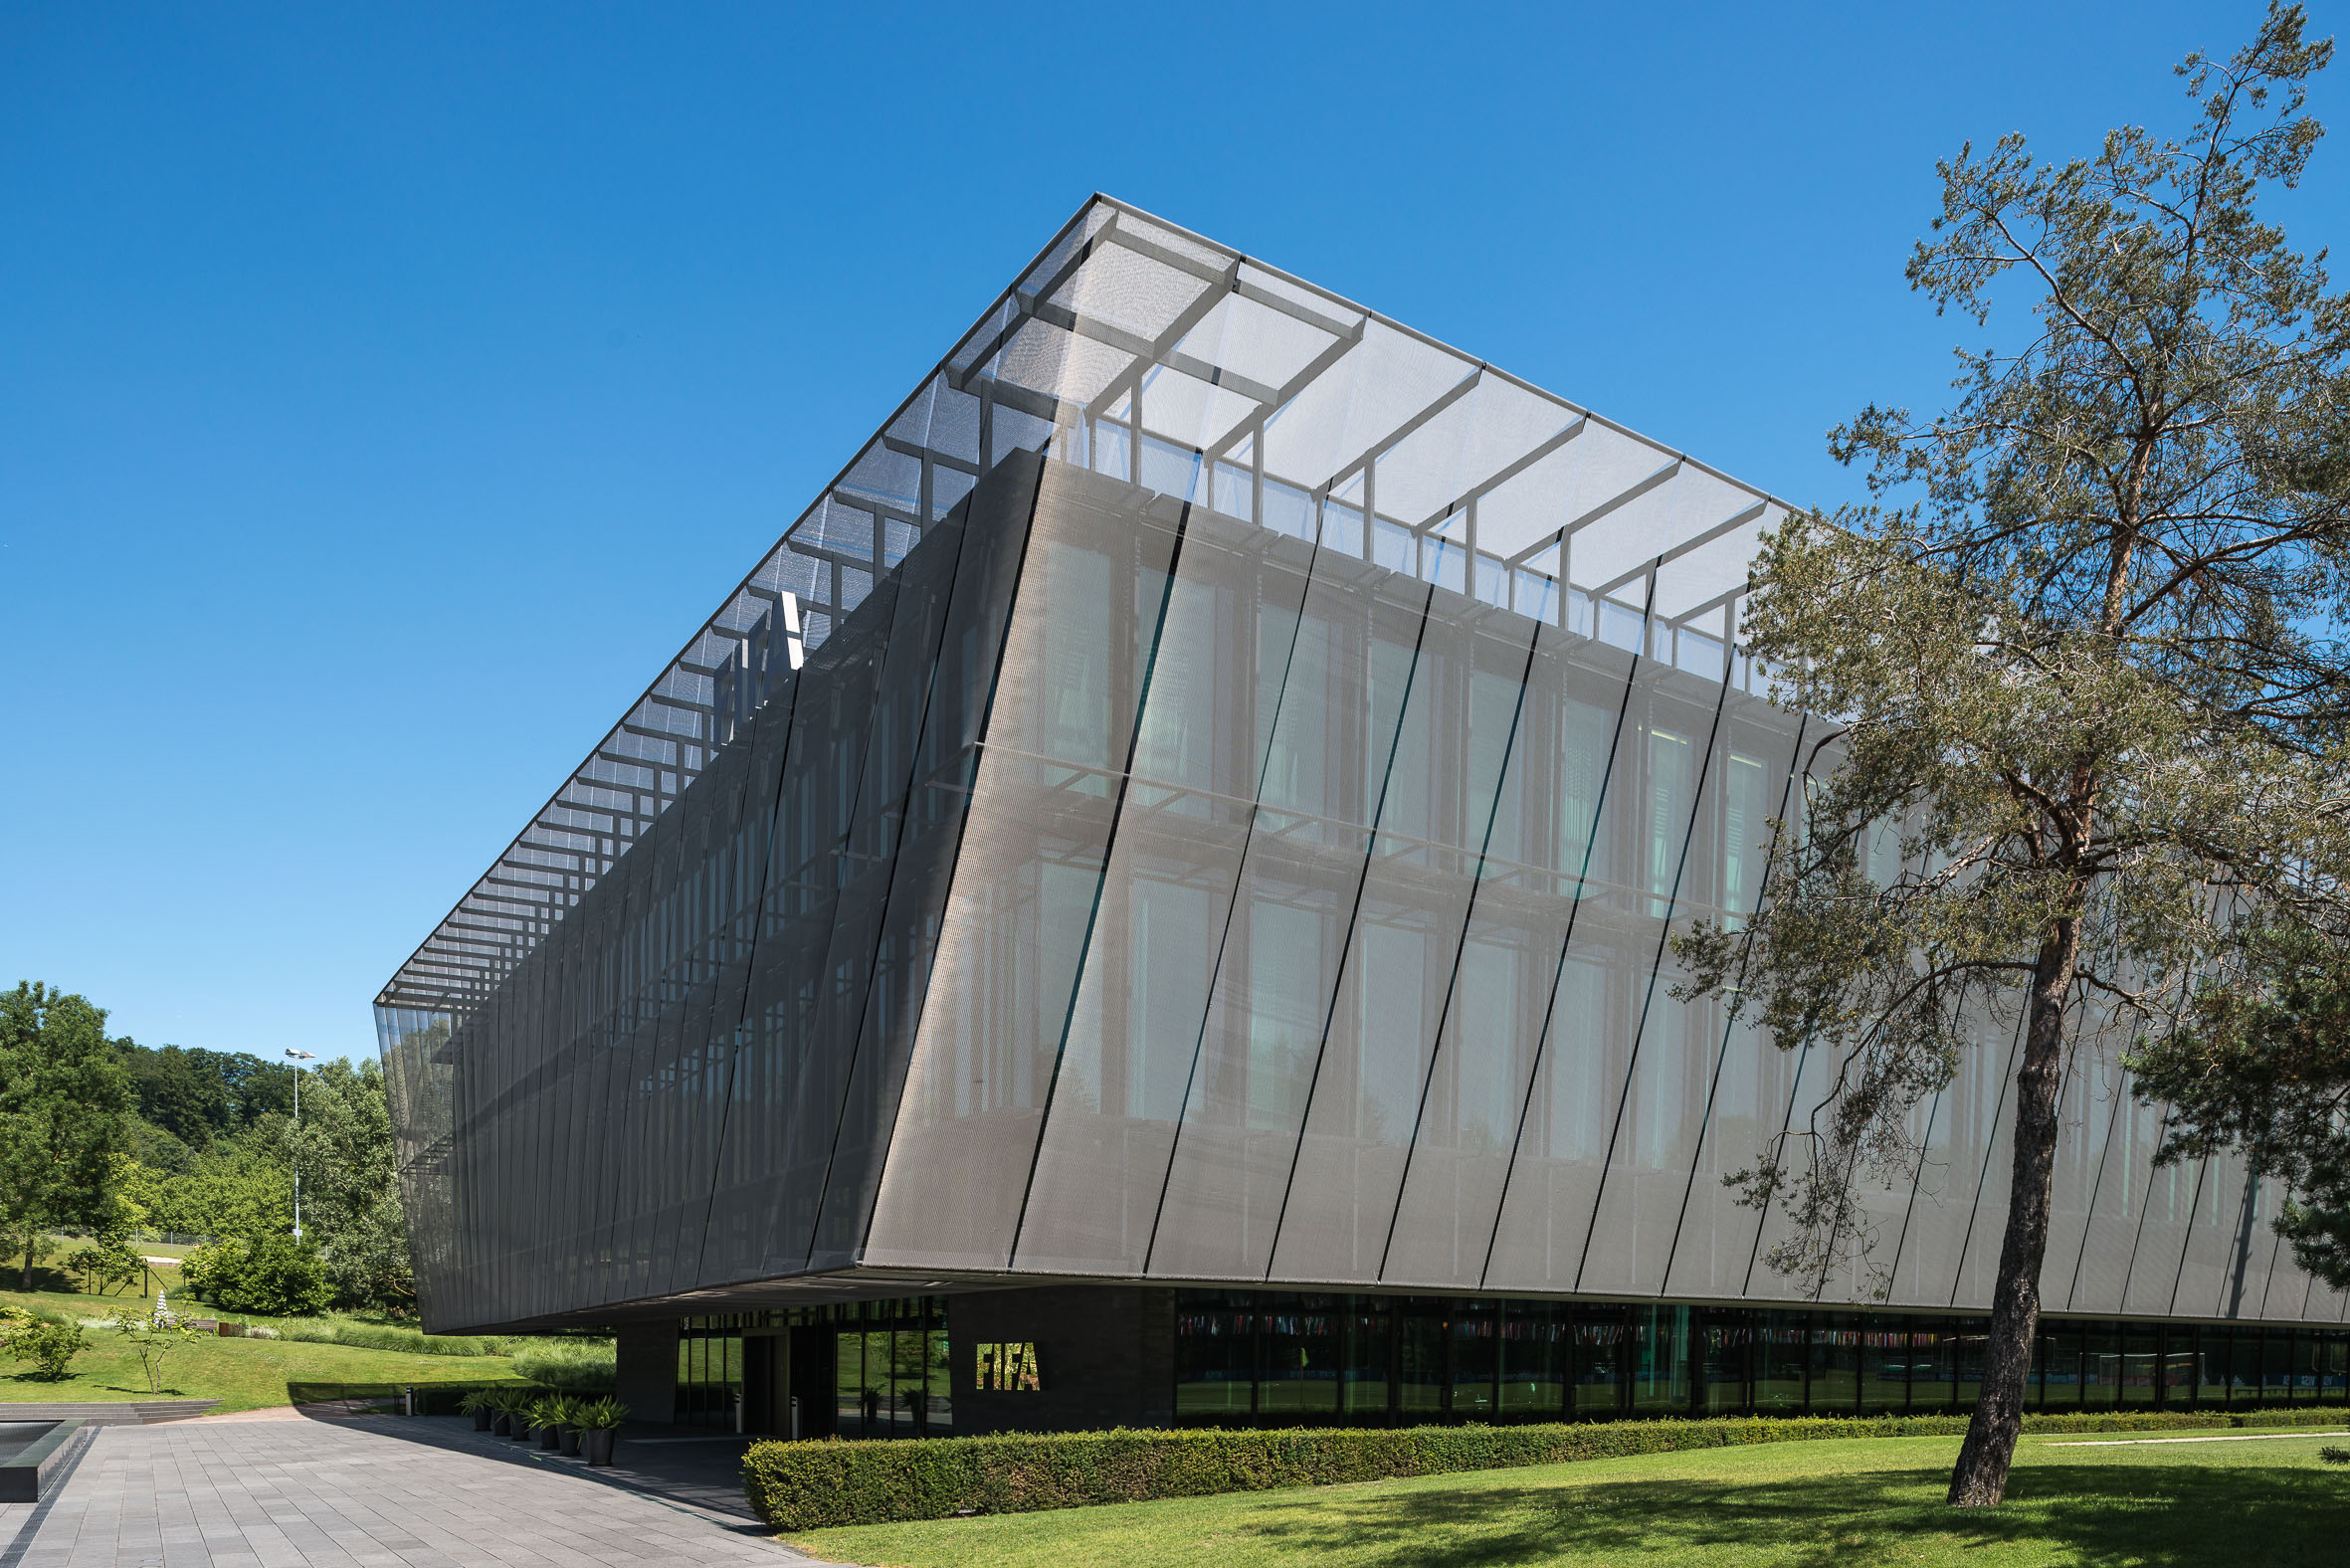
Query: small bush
point(2334, 1455)
point(276, 1275)
point(816, 1485)
point(50, 1347)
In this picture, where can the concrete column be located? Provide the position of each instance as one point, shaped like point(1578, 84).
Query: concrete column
point(646, 1364)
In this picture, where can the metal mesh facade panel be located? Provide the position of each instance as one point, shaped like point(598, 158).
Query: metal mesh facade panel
point(1203, 796)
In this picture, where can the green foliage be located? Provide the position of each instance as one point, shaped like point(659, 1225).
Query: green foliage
point(106, 1264)
point(273, 1276)
point(196, 1096)
point(50, 1346)
point(812, 1486)
point(580, 1365)
point(2261, 1061)
point(63, 1105)
point(2334, 1455)
point(477, 1400)
point(603, 1415)
point(545, 1411)
point(572, 1413)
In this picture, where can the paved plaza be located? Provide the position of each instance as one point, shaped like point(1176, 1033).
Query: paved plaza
point(382, 1492)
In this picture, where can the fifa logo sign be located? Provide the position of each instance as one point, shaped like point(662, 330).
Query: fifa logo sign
point(1010, 1367)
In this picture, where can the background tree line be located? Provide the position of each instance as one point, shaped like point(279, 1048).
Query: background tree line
point(111, 1137)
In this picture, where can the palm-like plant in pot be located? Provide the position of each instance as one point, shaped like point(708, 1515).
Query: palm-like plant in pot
point(546, 1418)
point(603, 1419)
point(571, 1416)
point(481, 1405)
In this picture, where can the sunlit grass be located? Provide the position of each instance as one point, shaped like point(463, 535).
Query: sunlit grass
point(1851, 1503)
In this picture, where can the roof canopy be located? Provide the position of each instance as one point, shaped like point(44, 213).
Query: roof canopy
point(1134, 348)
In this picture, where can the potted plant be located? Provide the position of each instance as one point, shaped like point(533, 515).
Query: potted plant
point(603, 1419)
point(481, 1405)
point(546, 1418)
point(510, 1413)
point(571, 1415)
point(519, 1403)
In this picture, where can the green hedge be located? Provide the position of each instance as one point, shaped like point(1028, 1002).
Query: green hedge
point(811, 1485)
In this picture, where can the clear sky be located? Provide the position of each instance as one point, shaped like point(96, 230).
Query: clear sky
point(387, 392)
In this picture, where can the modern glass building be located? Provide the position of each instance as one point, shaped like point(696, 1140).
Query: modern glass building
point(1150, 904)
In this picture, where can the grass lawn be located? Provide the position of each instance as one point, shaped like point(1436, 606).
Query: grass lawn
point(1852, 1503)
point(243, 1374)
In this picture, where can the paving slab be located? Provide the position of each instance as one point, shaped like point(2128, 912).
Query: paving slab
point(371, 1492)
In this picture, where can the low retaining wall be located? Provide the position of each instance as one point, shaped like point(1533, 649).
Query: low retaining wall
point(26, 1477)
point(111, 1412)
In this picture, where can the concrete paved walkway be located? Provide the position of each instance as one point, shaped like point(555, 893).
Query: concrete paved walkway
point(374, 1493)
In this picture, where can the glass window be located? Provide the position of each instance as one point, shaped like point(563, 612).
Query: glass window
point(2100, 1367)
point(1215, 1363)
point(938, 1409)
point(2337, 1368)
point(1659, 1356)
point(2243, 1368)
point(1368, 1345)
point(1729, 1343)
point(2305, 1362)
point(2182, 1367)
point(1419, 1391)
point(1781, 1353)
point(1835, 1366)
point(2142, 1364)
point(2277, 1366)
point(1884, 1364)
point(2210, 1349)
point(2059, 1366)
point(849, 1384)
point(1302, 1353)
point(1598, 1363)
point(1535, 1344)
point(1475, 1359)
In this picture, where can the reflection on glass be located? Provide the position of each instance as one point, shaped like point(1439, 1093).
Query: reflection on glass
point(1302, 1353)
point(1884, 1364)
point(1420, 1387)
point(1660, 1357)
point(1366, 1362)
point(1476, 1330)
point(1729, 1342)
point(1782, 1351)
point(2141, 1365)
point(1598, 1365)
point(2100, 1368)
point(1535, 1346)
point(1215, 1363)
point(2059, 1367)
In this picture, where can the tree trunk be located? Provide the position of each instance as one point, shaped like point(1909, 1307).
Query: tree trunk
point(1980, 1479)
point(32, 1237)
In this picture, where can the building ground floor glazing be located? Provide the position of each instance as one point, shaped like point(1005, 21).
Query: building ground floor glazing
point(908, 1367)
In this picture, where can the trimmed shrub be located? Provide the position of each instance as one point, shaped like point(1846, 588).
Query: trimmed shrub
point(578, 1365)
point(816, 1485)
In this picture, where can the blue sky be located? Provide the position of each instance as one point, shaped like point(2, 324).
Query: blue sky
point(386, 393)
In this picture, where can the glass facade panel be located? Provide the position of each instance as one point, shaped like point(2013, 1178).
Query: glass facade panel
point(1303, 1347)
point(1730, 1349)
point(1782, 1361)
point(1600, 1371)
point(1835, 1366)
point(1884, 1364)
point(2100, 1368)
point(2141, 1365)
point(1215, 1363)
point(1537, 1355)
point(1658, 1353)
point(1421, 1343)
point(2059, 1366)
point(1477, 1361)
point(1370, 1350)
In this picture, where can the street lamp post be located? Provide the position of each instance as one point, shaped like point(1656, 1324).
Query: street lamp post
point(297, 1057)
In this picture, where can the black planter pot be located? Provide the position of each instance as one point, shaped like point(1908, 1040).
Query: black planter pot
point(482, 1420)
point(550, 1437)
point(599, 1445)
point(501, 1425)
point(571, 1440)
point(523, 1431)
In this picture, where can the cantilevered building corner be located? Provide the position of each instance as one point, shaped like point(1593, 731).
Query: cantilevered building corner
point(1167, 865)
